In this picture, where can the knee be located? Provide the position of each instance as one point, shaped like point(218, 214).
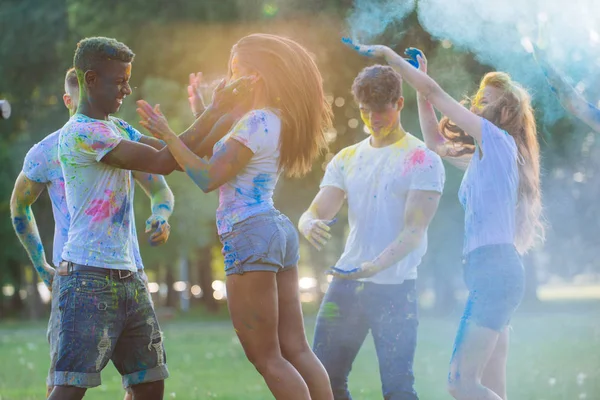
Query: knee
point(149, 390)
point(461, 388)
point(264, 362)
point(294, 350)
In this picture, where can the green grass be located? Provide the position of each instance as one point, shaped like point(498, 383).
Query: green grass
point(553, 356)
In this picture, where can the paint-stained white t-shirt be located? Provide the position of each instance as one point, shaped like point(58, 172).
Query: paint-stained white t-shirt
point(99, 197)
point(251, 191)
point(376, 182)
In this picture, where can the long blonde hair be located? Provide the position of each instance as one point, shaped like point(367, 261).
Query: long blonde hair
point(511, 112)
point(291, 83)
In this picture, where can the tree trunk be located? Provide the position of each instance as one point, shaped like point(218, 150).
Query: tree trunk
point(206, 278)
point(171, 300)
point(16, 304)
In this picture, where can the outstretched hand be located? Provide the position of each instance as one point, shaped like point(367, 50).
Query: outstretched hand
point(195, 94)
point(366, 270)
point(159, 230)
point(416, 58)
point(236, 94)
point(366, 50)
point(153, 120)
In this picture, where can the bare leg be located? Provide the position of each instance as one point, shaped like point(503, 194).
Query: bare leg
point(292, 337)
point(494, 374)
point(149, 391)
point(67, 393)
point(253, 306)
point(472, 353)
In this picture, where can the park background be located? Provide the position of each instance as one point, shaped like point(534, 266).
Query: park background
point(556, 333)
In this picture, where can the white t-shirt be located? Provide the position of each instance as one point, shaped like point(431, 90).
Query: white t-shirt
point(43, 166)
point(251, 191)
point(376, 182)
point(99, 197)
point(489, 190)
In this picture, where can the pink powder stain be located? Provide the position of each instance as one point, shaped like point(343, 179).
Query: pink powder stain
point(416, 157)
point(102, 209)
point(97, 145)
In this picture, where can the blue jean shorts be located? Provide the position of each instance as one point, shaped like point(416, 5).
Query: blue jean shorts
point(53, 329)
point(107, 318)
point(495, 278)
point(262, 242)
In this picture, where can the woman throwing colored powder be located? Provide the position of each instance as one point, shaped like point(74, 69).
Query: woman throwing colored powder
point(495, 141)
point(283, 133)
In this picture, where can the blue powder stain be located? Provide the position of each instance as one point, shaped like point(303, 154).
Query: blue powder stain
point(20, 224)
point(412, 53)
point(119, 216)
point(200, 178)
point(164, 207)
point(260, 183)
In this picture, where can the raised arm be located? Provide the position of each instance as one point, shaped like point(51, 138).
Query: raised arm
point(430, 126)
point(314, 224)
point(429, 89)
point(569, 98)
point(25, 193)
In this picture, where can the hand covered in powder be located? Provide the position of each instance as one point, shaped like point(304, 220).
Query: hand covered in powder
point(161, 230)
point(367, 50)
point(416, 58)
point(366, 270)
point(316, 231)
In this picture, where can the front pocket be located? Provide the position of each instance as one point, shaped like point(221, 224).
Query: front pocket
point(93, 283)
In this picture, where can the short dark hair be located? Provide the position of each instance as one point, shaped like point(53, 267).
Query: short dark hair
point(377, 86)
point(91, 52)
point(71, 80)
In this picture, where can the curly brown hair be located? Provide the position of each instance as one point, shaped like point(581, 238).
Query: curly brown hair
point(377, 86)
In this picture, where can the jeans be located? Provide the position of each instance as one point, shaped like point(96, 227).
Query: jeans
point(349, 311)
point(105, 318)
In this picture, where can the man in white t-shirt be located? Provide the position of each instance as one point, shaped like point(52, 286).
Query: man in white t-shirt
point(393, 184)
point(42, 170)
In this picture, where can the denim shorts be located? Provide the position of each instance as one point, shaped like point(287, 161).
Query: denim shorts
point(262, 242)
point(105, 318)
point(495, 278)
point(53, 329)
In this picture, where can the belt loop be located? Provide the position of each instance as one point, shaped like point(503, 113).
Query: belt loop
point(69, 267)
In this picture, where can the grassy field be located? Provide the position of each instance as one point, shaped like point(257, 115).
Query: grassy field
point(554, 355)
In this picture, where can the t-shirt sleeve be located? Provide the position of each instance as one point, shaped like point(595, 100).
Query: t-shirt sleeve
point(131, 133)
point(334, 174)
point(427, 170)
point(255, 130)
point(497, 145)
point(35, 165)
point(94, 140)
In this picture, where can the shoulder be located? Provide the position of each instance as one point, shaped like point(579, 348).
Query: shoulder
point(263, 118)
point(132, 133)
point(45, 147)
point(349, 153)
point(419, 154)
point(491, 132)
